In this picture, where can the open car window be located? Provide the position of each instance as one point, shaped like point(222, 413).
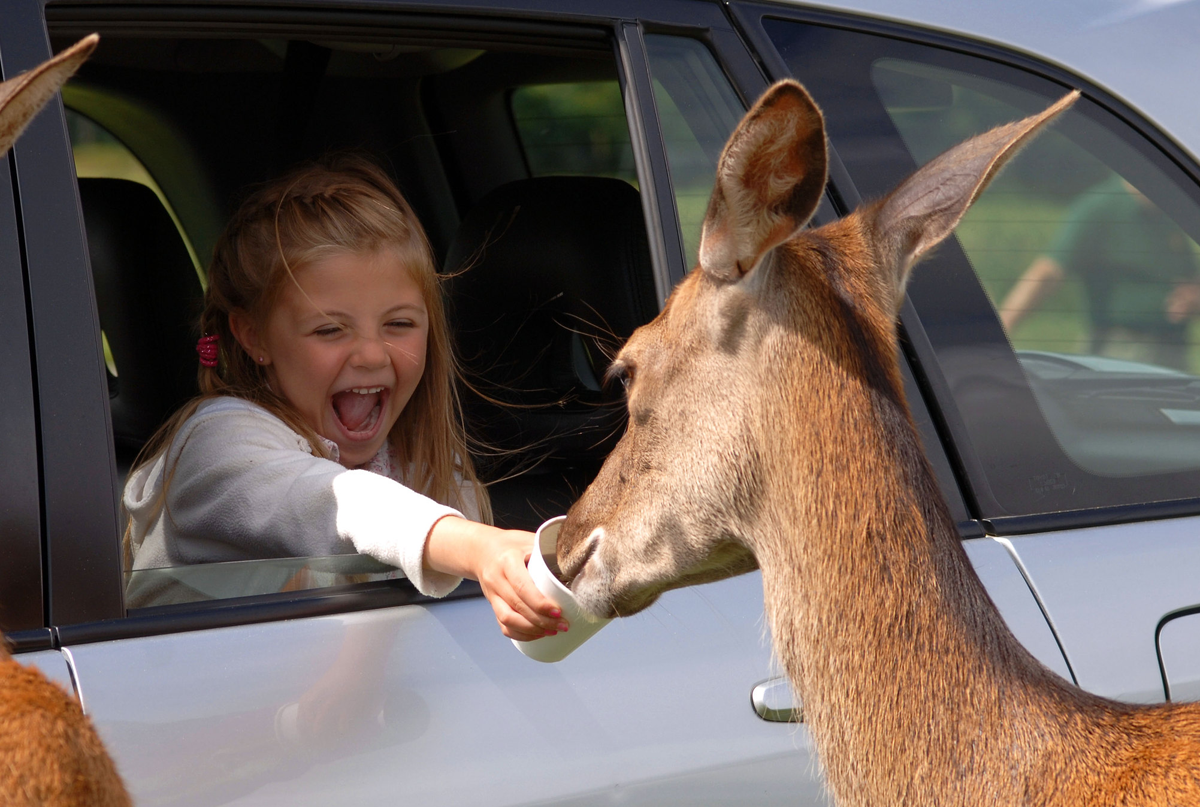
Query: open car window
point(473, 132)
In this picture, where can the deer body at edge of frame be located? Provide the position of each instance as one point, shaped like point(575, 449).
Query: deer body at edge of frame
point(768, 426)
point(50, 755)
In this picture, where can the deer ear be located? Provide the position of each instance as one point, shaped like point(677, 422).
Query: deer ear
point(769, 181)
point(927, 206)
point(23, 96)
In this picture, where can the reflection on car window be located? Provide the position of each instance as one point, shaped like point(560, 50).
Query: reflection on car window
point(175, 585)
point(575, 129)
point(1095, 283)
point(1064, 361)
point(698, 110)
point(1076, 258)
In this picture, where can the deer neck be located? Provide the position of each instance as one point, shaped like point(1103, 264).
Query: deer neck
point(872, 600)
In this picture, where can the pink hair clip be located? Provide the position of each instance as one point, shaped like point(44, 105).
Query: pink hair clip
point(207, 348)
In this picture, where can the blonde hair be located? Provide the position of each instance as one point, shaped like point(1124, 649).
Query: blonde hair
point(340, 204)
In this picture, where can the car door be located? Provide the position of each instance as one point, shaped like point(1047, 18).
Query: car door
point(357, 692)
point(1069, 424)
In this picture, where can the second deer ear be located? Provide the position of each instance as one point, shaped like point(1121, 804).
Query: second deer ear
point(769, 181)
point(927, 206)
point(23, 96)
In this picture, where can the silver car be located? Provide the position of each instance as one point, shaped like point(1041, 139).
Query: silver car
point(563, 152)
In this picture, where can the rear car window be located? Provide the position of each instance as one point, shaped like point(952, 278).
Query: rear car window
point(1065, 317)
point(1097, 285)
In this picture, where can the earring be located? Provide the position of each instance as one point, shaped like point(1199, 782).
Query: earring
point(260, 359)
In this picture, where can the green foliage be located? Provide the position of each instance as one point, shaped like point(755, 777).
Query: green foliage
point(574, 129)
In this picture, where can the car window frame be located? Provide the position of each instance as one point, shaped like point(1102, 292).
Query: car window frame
point(21, 605)
point(79, 512)
point(101, 616)
point(992, 514)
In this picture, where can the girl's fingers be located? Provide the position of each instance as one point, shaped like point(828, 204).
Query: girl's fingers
point(514, 593)
point(525, 588)
point(524, 612)
point(516, 626)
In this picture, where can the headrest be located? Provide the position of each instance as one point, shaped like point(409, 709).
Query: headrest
point(149, 301)
point(548, 277)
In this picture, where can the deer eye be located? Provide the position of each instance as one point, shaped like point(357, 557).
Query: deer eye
point(621, 372)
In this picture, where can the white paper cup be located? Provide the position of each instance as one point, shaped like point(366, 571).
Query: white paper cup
point(583, 625)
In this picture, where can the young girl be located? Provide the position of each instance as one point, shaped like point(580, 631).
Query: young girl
point(328, 421)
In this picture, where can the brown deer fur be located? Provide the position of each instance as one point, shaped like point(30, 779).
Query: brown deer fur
point(50, 755)
point(768, 425)
point(49, 752)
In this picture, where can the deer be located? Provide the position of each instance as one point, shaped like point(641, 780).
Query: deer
point(768, 428)
point(50, 753)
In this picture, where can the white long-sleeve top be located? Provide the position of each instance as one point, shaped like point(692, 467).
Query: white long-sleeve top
point(243, 485)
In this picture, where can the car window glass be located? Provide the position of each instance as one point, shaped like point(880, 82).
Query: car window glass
point(698, 109)
point(178, 585)
point(1092, 279)
point(575, 129)
point(1063, 315)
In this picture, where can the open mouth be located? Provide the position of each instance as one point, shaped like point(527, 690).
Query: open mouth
point(359, 410)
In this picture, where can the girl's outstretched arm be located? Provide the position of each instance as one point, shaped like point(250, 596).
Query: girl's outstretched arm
point(496, 558)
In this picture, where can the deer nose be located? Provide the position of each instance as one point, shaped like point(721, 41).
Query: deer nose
point(580, 556)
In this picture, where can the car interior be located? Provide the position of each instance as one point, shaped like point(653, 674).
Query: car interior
point(545, 254)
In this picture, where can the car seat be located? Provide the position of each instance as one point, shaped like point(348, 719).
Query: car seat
point(149, 300)
point(547, 278)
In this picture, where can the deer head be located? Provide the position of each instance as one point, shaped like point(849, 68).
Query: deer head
point(22, 97)
point(752, 395)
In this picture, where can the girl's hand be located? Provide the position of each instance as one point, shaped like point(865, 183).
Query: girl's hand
point(496, 558)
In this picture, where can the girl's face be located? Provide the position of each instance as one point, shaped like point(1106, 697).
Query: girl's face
point(345, 345)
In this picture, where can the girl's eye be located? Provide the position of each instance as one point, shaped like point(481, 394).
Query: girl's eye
point(401, 323)
point(328, 330)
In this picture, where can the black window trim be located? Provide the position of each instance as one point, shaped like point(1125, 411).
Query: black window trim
point(233, 612)
point(79, 516)
point(21, 573)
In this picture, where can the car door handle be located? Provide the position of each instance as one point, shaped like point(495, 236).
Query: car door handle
point(774, 701)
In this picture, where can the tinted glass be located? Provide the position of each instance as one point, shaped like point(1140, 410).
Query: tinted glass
point(698, 110)
point(574, 130)
point(1063, 316)
point(1093, 280)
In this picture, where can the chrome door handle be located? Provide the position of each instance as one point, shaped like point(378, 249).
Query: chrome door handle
point(774, 701)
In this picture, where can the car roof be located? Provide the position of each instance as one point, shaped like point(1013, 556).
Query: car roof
point(1142, 51)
